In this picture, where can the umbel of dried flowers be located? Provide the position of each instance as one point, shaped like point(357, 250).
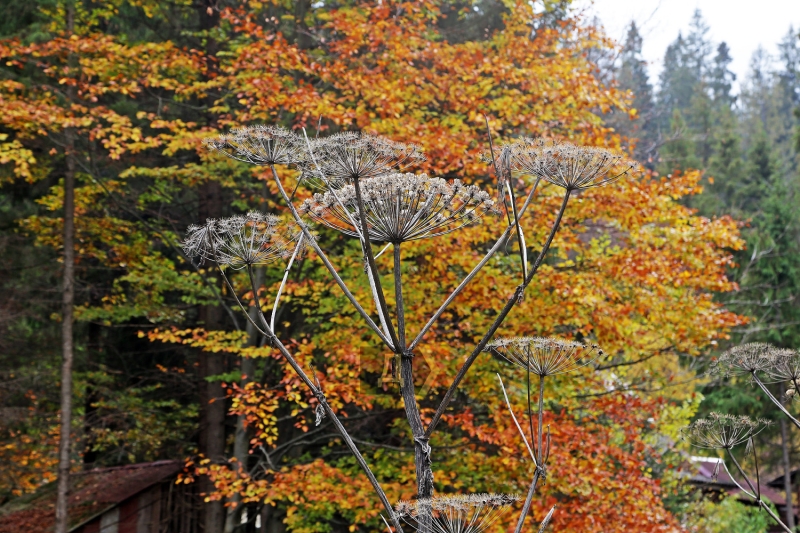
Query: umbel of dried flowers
point(401, 207)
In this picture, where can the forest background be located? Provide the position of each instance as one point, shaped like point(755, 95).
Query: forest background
point(694, 252)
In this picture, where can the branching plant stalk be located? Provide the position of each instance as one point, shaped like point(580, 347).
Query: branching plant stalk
point(756, 493)
point(320, 396)
point(498, 321)
point(497, 246)
point(327, 263)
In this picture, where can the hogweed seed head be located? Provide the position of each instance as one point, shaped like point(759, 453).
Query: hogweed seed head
point(722, 431)
point(342, 157)
point(241, 240)
point(260, 145)
point(458, 513)
point(750, 358)
point(785, 367)
point(401, 207)
point(545, 356)
point(562, 163)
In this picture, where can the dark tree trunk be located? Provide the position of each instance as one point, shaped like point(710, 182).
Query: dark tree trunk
point(212, 396)
point(212, 403)
point(241, 443)
point(68, 302)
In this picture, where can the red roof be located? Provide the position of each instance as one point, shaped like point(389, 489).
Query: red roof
point(91, 492)
point(703, 474)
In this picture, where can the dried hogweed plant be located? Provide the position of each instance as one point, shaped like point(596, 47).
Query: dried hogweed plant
point(367, 197)
point(762, 364)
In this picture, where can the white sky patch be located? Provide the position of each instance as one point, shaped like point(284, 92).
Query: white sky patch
point(742, 25)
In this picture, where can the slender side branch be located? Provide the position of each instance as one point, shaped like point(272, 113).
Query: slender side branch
point(519, 428)
point(776, 402)
point(239, 302)
point(540, 450)
point(498, 321)
point(398, 295)
point(283, 283)
point(520, 238)
point(328, 264)
point(497, 245)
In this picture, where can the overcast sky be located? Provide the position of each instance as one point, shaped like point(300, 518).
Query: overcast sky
point(742, 25)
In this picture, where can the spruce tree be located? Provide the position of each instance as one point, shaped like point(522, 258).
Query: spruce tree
point(632, 77)
point(720, 78)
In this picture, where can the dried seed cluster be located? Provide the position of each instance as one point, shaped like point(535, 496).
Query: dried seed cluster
point(561, 163)
point(748, 358)
point(401, 207)
point(545, 356)
point(458, 513)
point(340, 158)
point(242, 240)
point(260, 145)
point(722, 431)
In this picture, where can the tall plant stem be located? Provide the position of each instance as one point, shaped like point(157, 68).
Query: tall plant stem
point(327, 263)
point(384, 309)
point(422, 451)
point(67, 309)
point(471, 275)
point(498, 321)
point(320, 396)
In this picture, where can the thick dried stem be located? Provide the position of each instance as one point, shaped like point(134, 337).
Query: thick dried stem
point(527, 505)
